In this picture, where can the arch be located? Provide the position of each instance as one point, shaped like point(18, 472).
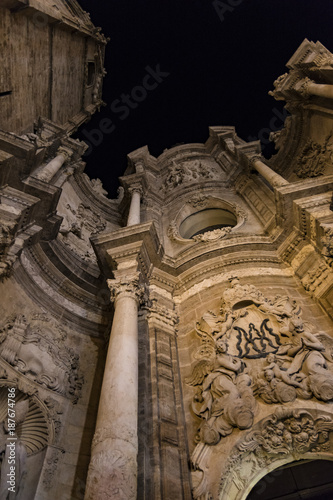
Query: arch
point(281, 438)
point(310, 477)
point(276, 465)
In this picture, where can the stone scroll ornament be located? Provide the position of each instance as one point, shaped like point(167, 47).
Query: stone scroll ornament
point(256, 351)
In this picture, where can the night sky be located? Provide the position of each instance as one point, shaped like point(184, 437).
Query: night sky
point(176, 67)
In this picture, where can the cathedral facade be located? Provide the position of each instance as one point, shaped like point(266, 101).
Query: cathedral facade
point(175, 342)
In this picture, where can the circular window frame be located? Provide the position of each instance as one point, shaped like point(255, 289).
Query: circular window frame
point(199, 203)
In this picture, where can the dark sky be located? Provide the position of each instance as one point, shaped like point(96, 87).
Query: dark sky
point(216, 62)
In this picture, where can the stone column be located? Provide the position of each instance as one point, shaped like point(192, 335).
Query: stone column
point(307, 87)
point(113, 466)
point(134, 211)
point(47, 172)
point(272, 177)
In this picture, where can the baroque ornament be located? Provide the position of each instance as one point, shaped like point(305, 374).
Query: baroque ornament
point(77, 228)
point(314, 158)
point(216, 234)
point(186, 172)
point(327, 241)
point(256, 350)
point(131, 286)
point(284, 436)
point(39, 351)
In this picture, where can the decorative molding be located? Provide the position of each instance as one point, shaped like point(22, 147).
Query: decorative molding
point(162, 314)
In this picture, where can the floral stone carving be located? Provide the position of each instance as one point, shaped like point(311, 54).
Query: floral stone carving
point(256, 350)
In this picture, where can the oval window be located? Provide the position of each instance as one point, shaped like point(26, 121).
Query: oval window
point(206, 220)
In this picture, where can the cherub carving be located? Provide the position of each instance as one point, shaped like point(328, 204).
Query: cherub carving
point(224, 398)
point(277, 386)
point(307, 357)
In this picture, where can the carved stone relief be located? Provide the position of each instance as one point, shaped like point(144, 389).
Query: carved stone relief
point(39, 350)
point(78, 225)
point(216, 234)
point(286, 435)
point(278, 85)
point(51, 468)
point(257, 351)
point(291, 360)
point(188, 171)
point(327, 241)
point(314, 158)
point(109, 471)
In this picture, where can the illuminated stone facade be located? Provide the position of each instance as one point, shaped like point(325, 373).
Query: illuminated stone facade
point(175, 342)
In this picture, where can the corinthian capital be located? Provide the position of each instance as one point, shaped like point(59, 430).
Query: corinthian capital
point(128, 286)
point(136, 188)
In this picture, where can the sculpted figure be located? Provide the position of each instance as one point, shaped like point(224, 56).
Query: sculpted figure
point(308, 357)
point(225, 399)
point(277, 386)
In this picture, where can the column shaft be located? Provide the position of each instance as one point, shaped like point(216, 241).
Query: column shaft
point(113, 465)
point(322, 90)
point(272, 177)
point(51, 168)
point(134, 211)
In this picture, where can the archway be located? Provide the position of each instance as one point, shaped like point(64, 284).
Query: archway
point(306, 479)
